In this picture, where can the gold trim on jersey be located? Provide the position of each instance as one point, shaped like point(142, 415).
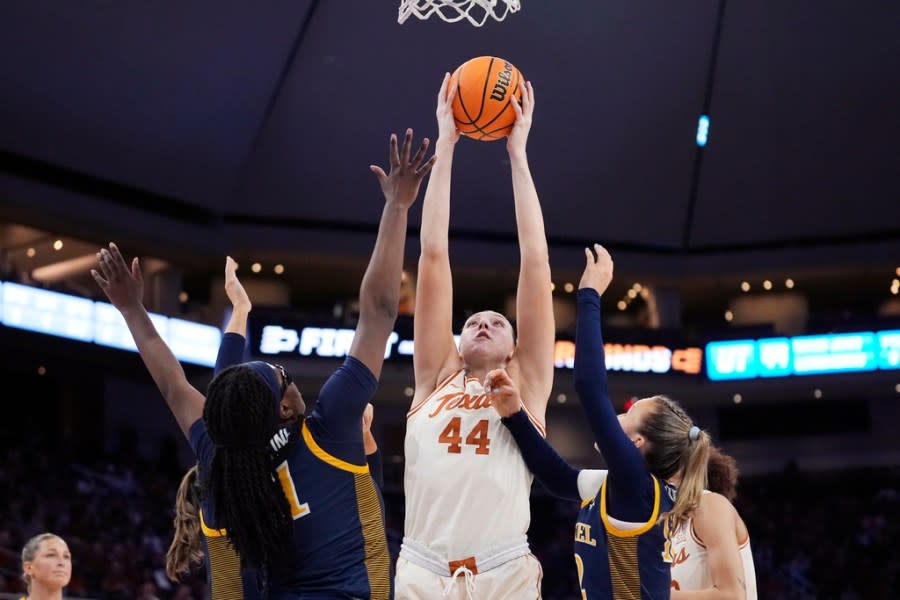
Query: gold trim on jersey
point(586, 501)
point(377, 557)
point(613, 530)
point(414, 409)
point(209, 531)
point(328, 458)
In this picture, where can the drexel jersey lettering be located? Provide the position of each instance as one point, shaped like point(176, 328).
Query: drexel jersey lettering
point(618, 560)
point(466, 484)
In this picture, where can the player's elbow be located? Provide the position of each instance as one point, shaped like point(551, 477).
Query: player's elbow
point(381, 307)
point(433, 252)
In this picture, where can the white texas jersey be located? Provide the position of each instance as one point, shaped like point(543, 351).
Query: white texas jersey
point(466, 484)
point(690, 565)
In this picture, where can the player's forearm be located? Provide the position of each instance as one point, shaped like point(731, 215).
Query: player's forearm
point(529, 217)
point(436, 204)
point(237, 323)
point(590, 380)
point(164, 368)
point(379, 293)
point(554, 473)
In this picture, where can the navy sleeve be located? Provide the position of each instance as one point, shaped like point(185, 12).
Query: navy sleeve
point(548, 467)
point(629, 480)
point(376, 468)
point(336, 421)
point(201, 444)
point(231, 351)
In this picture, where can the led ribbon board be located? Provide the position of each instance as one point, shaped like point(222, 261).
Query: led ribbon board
point(803, 355)
point(84, 320)
point(330, 342)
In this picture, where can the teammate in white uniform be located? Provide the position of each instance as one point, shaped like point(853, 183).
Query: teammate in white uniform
point(710, 553)
point(466, 485)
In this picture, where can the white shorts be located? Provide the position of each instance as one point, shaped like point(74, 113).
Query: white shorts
point(517, 579)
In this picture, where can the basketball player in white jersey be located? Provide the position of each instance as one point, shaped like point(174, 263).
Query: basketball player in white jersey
point(466, 485)
point(710, 553)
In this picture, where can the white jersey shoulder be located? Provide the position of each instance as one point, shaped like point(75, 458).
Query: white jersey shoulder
point(466, 484)
point(690, 561)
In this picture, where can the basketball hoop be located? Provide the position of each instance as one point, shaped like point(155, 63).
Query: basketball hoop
point(475, 11)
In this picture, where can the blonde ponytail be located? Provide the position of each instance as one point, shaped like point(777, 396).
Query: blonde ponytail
point(675, 445)
point(185, 548)
point(693, 480)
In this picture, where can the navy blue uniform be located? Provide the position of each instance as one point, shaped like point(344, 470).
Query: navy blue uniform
point(340, 546)
point(619, 542)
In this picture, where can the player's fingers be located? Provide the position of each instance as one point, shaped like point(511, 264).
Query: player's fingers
point(103, 264)
point(420, 153)
point(407, 147)
point(379, 173)
point(452, 91)
point(442, 93)
point(421, 171)
point(103, 283)
point(118, 261)
point(517, 106)
point(394, 154)
point(136, 268)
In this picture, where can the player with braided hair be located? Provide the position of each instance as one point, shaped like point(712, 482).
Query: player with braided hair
point(292, 494)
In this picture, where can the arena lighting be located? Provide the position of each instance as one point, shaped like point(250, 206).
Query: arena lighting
point(803, 355)
point(84, 320)
point(702, 130)
point(65, 268)
point(331, 342)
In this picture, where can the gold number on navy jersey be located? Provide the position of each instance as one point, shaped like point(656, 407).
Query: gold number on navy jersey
point(287, 484)
point(478, 437)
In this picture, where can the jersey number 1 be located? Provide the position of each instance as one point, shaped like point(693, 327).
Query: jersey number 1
point(478, 437)
point(287, 484)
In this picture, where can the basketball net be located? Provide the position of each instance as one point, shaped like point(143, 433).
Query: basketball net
point(475, 11)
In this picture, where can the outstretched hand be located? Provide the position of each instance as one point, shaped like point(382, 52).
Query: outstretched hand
point(234, 289)
point(123, 286)
point(518, 137)
point(401, 186)
point(598, 271)
point(503, 393)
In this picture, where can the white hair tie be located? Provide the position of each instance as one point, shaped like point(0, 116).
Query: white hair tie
point(694, 433)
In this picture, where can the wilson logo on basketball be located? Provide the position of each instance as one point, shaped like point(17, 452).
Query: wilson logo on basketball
point(455, 400)
point(501, 86)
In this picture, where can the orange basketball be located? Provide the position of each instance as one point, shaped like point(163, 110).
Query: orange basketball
point(482, 106)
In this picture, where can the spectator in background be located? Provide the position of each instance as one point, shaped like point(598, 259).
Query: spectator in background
point(46, 566)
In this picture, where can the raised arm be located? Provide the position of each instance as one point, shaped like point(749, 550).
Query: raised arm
point(714, 525)
point(433, 321)
point(231, 350)
point(125, 289)
point(534, 298)
point(629, 478)
point(379, 293)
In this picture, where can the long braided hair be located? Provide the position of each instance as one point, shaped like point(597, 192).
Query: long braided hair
point(241, 416)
